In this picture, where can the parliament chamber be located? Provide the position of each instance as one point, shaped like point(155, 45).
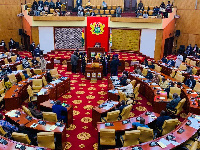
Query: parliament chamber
point(99, 74)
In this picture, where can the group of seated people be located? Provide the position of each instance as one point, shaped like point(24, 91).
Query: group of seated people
point(12, 44)
point(160, 12)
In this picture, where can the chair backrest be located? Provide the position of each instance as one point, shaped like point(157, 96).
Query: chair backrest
point(193, 63)
point(144, 72)
point(179, 78)
point(179, 107)
point(112, 116)
point(53, 72)
point(30, 91)
point(146, 7)
point(187, 61)
point(133, 83)
point(2, 87)
point(174, 90)
point(194, 71)
point(169, 125)
point(28, 72)
point(150, 12)
point(12, 78)
point(37, 84)
point(20, 67)
point(101, 11)
point(37, 71)
point(13, 58)
point(107, 137)
point(46, 139)
point(114, 7)
point(136, 90)
point(122, 96)
point(38, 59)
point(44, 80)
point(158, 68)
point(126, 112)
point(2, 131)
point(22, 76)
point(131, 138)
point(107, 12)
point(27, 111)
point(197, 87)
point(112, 12)
point(98, 7)
point(173, 73)
point(146, 134)
point(182, 67)
point(20, 137)
point(49, 116)
point(6, 61)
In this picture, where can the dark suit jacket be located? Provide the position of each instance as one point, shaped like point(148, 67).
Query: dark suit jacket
point(197, 49)
point(164, 60)
point(173, 103)
point(40, 2)
point(123, 82)
point(122, 107)
point(160, 121)
point(149, 75)
point(32, 47)
point(171, 63)
point(188, 83)
point(12, 45)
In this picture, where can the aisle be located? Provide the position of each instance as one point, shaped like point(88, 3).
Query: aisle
point(84, 95)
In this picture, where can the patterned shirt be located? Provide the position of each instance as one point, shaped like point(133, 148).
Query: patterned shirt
point(7, 126)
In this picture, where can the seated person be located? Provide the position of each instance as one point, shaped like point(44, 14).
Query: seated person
point(18, 58)
point(164, 83)
point(171, 84)
point(173, 103)
point(149, 75)
point(160, 120)
point(190, 82)
point(138, 70)
point(145, 15)
point(37, 52)
point(164, 59)
point(145, 62)
point(58, 109)
point(171, 63)
point(128, 89)
point(104, 5)
point(155, 79)
point(125, 72)
point(31, 135)
point(152, 66)
point(140, 124)
point(169, 7)
point(9, 70)
point(123, 80)
point(92, 13)
point(25, 63)
point(25, 74)
point(3, 72)
point(34, 61)
point(87, 12)
point(189, 70)
point(36, 113)
point(179, 85)
point(7, 83)
point(7, 127)
point(123, 104)
point(49, 77)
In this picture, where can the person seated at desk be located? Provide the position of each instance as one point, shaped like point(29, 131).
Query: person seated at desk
point(155, 79)
point(164, 83)
point(145, 15)
point(7, 127)
point(19, 58)
point(12, 44)
point(125, 72)
point(171, 63)
point(49, 77)
point(170, 84)
point(123, 80)
point(25, 74)
point(34, 61)
point(173, 103)
point(128, 89)
point(25, 63)
point(190, 82)
point(189, 70)
point(164, 59)
point(31, 135)
point(195, 49)
point(36, 113)
point(3, 44)
point(58, 109)
point(149, 75)
point(98, 45)
point(3, 72)
point(138, 70)
point(7, 83)
point(37, 51)
point(140, 124)
point(9, 70)
point(152, 66)
point(123, 105)
point(160, 120)
point(145, 62)
point(179, 60)
point(88, 5)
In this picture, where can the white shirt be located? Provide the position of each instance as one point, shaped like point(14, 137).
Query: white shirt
point(104, 4)
point(128, 89)
point(179, 60)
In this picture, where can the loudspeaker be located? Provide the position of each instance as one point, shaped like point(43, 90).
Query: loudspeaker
point(178, 32)
point(20, 31)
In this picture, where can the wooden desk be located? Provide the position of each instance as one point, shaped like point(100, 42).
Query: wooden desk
point(119, 127)
point(78, 68)
point(98, 112)
point(95, 50)
point(93, 72)
point(179, 137)
point(47, 106)
point(11, 145)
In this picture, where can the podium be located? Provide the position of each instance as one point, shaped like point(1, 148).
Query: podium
point(92, 51)
point(94, 70)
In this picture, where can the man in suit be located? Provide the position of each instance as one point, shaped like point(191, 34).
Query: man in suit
point(152, 66)
point(32, 47)
point(123, 80)
point(37, 52)
point(140, 6)
point(59, 109)
point(52, 5)
point(149, 75)
point(189, 70)
point(189, 50)
point(140, 124)
point(128, 89)
point(78, 3)
point(114, 66)
point(123, 105)
point(196, 48)
point(58, 4)
point(3, 44)
point(160, 120)
point(190, 82)
point(74, 62)
point(171, 63)
point(12, 44)
point(164, 59)
point(138, 70)
point(173, 103)
point(40, 2)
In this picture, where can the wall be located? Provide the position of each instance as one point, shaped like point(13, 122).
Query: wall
point(147, 42)
point(9, 22)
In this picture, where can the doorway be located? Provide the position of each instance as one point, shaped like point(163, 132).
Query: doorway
point(130, 5)
point(168, 46)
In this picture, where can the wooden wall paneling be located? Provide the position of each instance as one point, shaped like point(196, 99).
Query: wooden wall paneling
point(191, 39)
point(35, 35)
point(182, 40)
point(185, 4)
point(197, 40)
point(158, 44)
point(152, 2)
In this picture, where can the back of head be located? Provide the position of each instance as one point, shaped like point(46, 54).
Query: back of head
point(175, 95)
point(58, 102)
point(30, 105)
point(142, 120)
point(6, 79)
point(162, 113)
point(21, 127)
point(123, 102)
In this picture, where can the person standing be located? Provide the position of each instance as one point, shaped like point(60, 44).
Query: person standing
point(104, 5)
point(74, 62)
point(179, 60)
point(43, 63)
point(118, 11)
point(114, 66)
point(83, 65)
point(12, 44)
point(3, 44)
point(32, 47)
point(104, 63)
point(59, 109)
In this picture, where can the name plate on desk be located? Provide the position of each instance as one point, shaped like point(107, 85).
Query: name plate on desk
point(108, 124)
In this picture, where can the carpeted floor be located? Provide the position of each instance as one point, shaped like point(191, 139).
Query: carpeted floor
point(84, 95)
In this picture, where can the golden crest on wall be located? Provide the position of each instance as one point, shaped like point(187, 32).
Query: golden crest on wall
point(83, 136)
point(97, 28)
